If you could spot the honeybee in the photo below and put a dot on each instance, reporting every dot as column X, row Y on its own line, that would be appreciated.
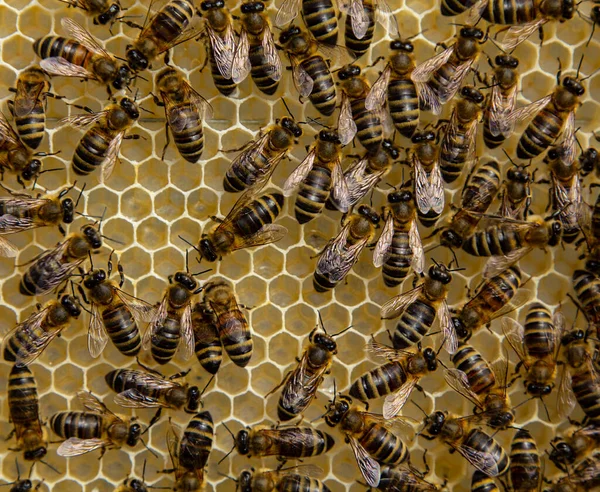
column 95, row 428
column 82, row 56
column 537, row 345
column 446, row 71
column 232, row 325
column 167, row 27
column 15, row 157
column 52, row 267
column 190, row 456
column 260, row 157
column 525, row 463
column 585, row 476
column 403, row 479
column 102, row 11
column 458, row 145
column 477, row 447
column 342, row 252
column 399, row 246
column 100, row 145
column 134, row 484
column 369, row 436
column 320, row 177
column 184, row 111
column 477, row 195
column 22, row 485
column 22, row 212
column 395, row 379
column 218, row 28
column 496, row 297
column 360, row 23
column 29, row 105
column 23, row 407
column 320, row 17
column 248, row 224
column 516, row 193
column 484, row 385
column 418, row 308
column 208, row 347
column 171, row 325
column 483, row 483
column 256, row 53
column 26, row 341
column 574, row 446
column 292, row 479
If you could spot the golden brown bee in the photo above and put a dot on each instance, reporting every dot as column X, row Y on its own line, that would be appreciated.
column 102, row 11
column 81, row 56
column 525, row 463
column 190, row 456
column 256, row 52
column 171, row 326
column 342, row 252
column 29, row 105
column 477, row 447
column 248, row 224
column 95, row 428
column 23, row 407
column 260, row 157
column 360, row 23
column 418, row 308
column 320, row 17
column 483, row 483
column 165, row 29
column 399, row 246
column 100, row 145
column 320, row 177
column 51, row 268
column 208, row 347
column 26, row 341
column 369, row 436
column 403, row 479
column 574, row 446
column 291, row 479
column 395, row 379
column 231, row 323
column 586, row 285
column 516, row 193
column 184, row 111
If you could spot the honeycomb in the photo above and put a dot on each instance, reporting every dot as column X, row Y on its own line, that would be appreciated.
column 149, row 203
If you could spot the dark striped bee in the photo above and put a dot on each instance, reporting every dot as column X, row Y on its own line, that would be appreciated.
column 167, row 27
column 81, row 56
column 184, row 110
column 483, row 483
column 218, row 28
column 231, row 323
column 496, row 297
column 516, row 193
column 574, row 446
column 399, row 246
column 396, row 378
column 483, row 385
column 260, row 157
column 22, row 212
column 102, row 11
column 403, row 479
column 584, row 476
column 256, row 52
column 248, row 224
column 29, row 105
column 190, row 455
column 95, row 428
column 320, row 17
column 446, row 71
column 171, row 325
column 477, row 195
column 342, row 252
column 15, row 157
column 100, row 145
column 360, row 23
column 418, row 308
column 52, row 267
column 23, row 407
column 26, row 341
column 537, row 345
column 319, row 177
column 354, row 118
column 208, row 346
column 525, row 463
column 458, row 145
column 291, row 479
column 369, row 436
column 477, row 447
column 114, row 313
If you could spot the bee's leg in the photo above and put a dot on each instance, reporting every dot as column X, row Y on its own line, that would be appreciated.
column 216, row 219
column 168, row 138
column 10, row 436
column 166, row 470
column 149, row 369
column 167, row 57
column 285, row 378
column 133, row 24
column 180, row 375
column 154, row 419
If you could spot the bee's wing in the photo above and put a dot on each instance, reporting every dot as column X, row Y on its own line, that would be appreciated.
column 396, row 305
column 527, row 111
column 450, row 339
column 584, row 219
column 26, row 97
column 436, row 189
column 248, row 156
column 187, row 332
column 369, row 468
column 459, row 382
column 514, row 334
column 568, row 144
column 386, row 18
column 394, row 402
column 173, row 444
column 97, row 336
column 141, row 310
column 337, row 259
column 112, row 156
column 132, row 398
column 497, row 264
column 287, row 12
column 377, row 95
column 587, row 471
column 381, row 251
column 501, row 108
column 304, row 83
column 92, row 404
column 565, row 402
column 9, row 224
column 457, row 79
column 359, row 182
column 300, row 173
column 8, row 137
column 31, row 327
column 476, row 11
column 271, row 55
column 82, row 120
column 484, row 462
column 301, row 389
column 157, row 320
column 240, row 66
column 80, row 35
column 8, row 249
column 346, row 125
column 270, row 233
column 414, row 240
column 381, row 350
column 423, row 71
column 339, row 188
column 517, row 34
column 521, row 297
column 428, row 98
column 358, row 18
column 75, row 446
column 422, row 186
column 223, row 47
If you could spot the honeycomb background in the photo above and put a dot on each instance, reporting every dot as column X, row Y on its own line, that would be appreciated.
column 149, row 203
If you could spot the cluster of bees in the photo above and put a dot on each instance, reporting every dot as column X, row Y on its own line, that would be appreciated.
column 205, row 318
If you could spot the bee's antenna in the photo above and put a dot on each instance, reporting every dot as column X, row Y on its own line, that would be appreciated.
column 287, row 108
column 419, row 407
column 228, row 476
column 234, row 443
column 343, row 331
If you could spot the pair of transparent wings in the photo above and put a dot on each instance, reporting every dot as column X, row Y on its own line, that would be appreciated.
column 241, row 66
